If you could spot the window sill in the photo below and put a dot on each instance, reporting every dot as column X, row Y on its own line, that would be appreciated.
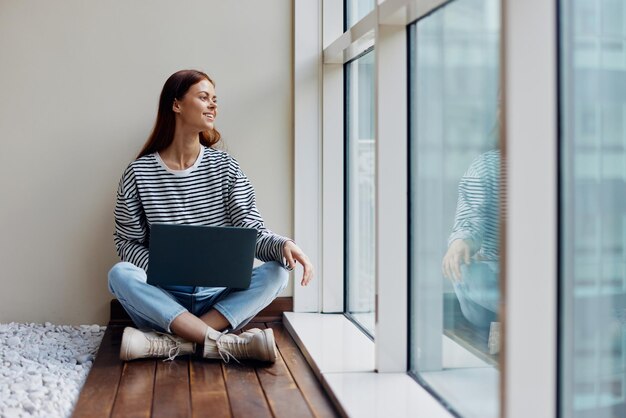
column 342, row 357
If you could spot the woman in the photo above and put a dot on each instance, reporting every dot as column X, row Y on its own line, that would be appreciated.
column 180, row 178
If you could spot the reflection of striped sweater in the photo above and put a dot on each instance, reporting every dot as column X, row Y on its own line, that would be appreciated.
column 477, row 214
column 214, row 191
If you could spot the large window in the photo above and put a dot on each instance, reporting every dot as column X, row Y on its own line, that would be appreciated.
column 516, row 210
column 455, row 199
column 593, row 209
column 360, row 191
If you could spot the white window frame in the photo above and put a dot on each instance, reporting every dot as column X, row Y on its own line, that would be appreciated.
column 529, row 366
column 307, row 150
column 321, row 47
column 392, row 227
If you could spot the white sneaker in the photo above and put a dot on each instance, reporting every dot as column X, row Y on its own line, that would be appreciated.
column 143, row 344
column 253, row 344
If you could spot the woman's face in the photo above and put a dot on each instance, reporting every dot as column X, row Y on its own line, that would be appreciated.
column 198, row 108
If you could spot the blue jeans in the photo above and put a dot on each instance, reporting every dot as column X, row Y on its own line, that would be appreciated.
column 479, row 292
column 155, row 307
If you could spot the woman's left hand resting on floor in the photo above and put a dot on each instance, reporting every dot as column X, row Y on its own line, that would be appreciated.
column 293, row 253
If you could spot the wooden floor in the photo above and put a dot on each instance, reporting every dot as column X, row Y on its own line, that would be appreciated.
column 190, row 387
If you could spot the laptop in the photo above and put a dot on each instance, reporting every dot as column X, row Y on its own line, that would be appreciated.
column 206, row 256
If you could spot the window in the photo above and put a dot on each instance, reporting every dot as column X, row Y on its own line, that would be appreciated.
column 356, row 10
column 460, row 165
column 360, row 191
column 593, row 209
column 455, row 177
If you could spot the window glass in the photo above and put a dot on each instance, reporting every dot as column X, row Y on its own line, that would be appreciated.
column 455, row 181
column 593, row 209
column 360, row 191
column 356, row 10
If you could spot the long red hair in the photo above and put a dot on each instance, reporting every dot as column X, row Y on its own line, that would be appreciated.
column 175, row 87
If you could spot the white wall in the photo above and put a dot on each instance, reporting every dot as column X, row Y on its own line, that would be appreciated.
column 79, row 84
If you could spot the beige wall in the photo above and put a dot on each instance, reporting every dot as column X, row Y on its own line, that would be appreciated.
column 79, row 84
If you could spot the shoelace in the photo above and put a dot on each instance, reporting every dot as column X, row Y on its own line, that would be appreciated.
column 169, row 354
column 239, row 345
column 158, row 346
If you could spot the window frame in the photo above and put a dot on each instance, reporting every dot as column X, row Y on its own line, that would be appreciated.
column 530, row 118
column 347, row 77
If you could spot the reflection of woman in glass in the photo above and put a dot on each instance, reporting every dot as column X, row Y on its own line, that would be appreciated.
column 472, row 259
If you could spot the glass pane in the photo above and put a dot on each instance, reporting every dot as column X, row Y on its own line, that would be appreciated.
column 593, row 209
column 360, row 189
column 455, row 205
column 356, row 10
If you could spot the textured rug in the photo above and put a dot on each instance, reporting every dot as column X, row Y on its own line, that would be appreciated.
column 44, row 366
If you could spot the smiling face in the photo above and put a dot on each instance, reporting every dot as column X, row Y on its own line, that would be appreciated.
column 197, row 109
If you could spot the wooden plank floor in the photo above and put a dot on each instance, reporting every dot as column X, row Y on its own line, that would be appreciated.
column 191, row 387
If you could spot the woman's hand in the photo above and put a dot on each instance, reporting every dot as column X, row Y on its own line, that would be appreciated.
column 293, row 253
column 459, row 251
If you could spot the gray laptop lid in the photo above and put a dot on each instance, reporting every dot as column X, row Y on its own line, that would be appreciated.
column 207, row 256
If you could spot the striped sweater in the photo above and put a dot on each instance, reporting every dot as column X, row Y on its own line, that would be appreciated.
column 214, row 191
column 478, row 208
